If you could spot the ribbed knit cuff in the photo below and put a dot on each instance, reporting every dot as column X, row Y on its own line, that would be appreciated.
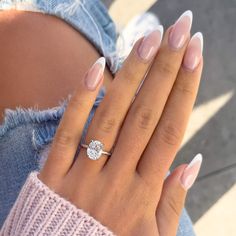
column 38, row 210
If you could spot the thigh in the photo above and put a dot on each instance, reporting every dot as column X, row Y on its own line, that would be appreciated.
column 42, row 59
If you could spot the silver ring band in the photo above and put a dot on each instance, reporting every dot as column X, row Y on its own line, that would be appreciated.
column 103, row 152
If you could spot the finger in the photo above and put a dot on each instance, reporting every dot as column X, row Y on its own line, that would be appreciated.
column 71, row 126
column 112, row 110
column 170, row 130
column 150, row 101
column 173, row 196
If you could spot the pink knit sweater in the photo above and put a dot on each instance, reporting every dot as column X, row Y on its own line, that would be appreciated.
column 40, row 211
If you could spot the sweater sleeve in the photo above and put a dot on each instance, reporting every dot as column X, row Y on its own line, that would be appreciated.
column 38, row 210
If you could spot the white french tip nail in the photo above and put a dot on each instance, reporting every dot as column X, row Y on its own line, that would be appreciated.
column 191, row 172
column 200, row 37
column 197, row 158
column 160, row 28
column 188, row 13
column 101, row 61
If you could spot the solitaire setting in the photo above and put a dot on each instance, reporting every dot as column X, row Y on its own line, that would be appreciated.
column 95, row 149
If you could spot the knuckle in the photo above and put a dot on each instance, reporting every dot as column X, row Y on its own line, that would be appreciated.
column 107, row 123
column 63, row 138
column 165, row 68
column 170, row 134
column 77, row 102
column 144, row 117
column 185, row 88
column 174, row 205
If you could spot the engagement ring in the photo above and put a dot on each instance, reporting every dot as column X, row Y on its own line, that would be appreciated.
column 95, row 149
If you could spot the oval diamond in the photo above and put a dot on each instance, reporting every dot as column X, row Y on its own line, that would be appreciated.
column 94, row 150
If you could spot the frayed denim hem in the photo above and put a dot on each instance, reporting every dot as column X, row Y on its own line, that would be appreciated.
column 48, row 119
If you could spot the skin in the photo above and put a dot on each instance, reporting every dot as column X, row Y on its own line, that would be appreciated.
column 133, row 192
column 41, row 54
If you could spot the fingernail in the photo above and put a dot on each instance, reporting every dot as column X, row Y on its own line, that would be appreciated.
column 180, row 30
column 194, row 52
column 150, row 44
column 95, row 74
column 191, row 172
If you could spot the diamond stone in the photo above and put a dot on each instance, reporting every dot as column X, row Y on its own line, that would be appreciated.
column 94, row 150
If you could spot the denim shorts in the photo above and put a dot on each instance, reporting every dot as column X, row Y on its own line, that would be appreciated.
column 27, row 133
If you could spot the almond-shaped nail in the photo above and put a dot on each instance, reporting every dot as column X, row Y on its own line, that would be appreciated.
column 181, row 30
column 95, row 74
column 191, row 172
column 150, row 44
column 194, row 51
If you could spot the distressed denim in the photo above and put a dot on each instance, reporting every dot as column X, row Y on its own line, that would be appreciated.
column 27, row 133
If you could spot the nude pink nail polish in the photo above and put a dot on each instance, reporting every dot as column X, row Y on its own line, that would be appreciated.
column 150, row 44
column 194, row 52
column 95, row 74
column 191, row 172
column 181, row 30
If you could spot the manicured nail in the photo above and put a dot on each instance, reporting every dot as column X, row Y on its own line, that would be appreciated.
column 150, row 44
column 180, row 30
column 191, row 172
column 95, row 74
column 194, row 52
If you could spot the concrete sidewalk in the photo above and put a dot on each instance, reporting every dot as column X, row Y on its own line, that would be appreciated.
column 212, row 130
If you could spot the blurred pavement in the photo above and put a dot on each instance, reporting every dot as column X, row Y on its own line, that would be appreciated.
column 211, row 203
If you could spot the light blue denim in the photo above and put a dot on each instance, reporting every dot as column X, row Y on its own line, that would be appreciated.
column 26, row 132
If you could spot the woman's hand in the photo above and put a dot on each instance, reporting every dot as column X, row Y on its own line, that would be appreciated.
column 128, row 191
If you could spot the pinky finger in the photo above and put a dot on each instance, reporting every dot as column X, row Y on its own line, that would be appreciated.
column 173, row 196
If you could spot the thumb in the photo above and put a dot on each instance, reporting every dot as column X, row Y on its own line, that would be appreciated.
column 173, row 196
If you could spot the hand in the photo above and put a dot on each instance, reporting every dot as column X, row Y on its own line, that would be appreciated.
column 128, row 191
